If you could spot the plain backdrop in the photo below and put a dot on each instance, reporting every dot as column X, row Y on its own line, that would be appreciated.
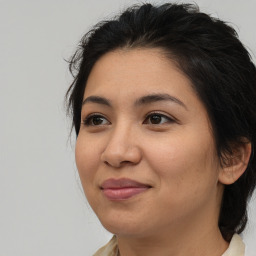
column 43, row 211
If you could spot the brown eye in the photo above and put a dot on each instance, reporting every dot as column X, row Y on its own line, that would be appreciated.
column 95, row 120
column 156, row 118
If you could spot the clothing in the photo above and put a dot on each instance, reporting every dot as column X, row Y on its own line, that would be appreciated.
column 236, row 248
column 110, row 249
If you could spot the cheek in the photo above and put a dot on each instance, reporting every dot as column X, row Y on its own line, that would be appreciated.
column 186, row 163
column 187, row 176
column 87, row 160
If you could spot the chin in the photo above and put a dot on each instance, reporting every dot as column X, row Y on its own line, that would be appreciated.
column 123, row 226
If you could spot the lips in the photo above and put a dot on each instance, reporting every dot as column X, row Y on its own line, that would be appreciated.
column 122, row 189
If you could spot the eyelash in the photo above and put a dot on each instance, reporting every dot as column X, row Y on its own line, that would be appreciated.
column 88, row 120
column 168, row 118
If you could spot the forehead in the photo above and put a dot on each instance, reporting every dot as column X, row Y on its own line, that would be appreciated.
column 132, row 73
column 134, row 67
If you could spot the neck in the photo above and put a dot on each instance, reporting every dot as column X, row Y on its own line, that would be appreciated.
column 193, row 238
column 211, row 244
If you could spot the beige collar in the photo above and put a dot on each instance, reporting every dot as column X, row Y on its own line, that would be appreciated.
column 236, row 248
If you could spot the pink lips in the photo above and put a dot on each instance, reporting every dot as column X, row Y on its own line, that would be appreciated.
column 122, row 189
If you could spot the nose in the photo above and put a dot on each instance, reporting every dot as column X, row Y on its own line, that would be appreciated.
column 122, row 148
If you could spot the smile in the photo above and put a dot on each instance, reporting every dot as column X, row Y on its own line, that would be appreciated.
column 122, row 189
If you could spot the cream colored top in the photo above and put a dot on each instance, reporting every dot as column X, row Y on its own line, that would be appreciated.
column 236, row 248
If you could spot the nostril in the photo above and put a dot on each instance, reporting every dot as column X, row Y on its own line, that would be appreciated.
column 117, row 156
column 119, row 164
column 107, row 163
column 112, row 164
column 127, row 163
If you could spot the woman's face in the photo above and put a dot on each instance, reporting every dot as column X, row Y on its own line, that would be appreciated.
column 145, row 151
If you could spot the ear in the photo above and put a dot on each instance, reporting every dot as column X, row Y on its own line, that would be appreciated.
column 236, row 163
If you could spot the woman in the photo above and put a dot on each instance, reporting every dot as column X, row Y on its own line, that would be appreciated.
column 163, row 104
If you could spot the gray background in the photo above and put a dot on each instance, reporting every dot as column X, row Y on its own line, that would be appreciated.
column 43, row 211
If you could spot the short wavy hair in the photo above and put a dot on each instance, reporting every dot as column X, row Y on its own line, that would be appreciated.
column 209, row 53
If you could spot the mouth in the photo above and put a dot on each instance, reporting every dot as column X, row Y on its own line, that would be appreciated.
column 122, row 189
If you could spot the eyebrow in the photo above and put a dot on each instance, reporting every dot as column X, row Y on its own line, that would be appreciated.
column 144, row 100
column 98, row 100
column 158, row 97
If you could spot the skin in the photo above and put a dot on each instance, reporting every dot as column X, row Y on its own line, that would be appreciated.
column 176, row 156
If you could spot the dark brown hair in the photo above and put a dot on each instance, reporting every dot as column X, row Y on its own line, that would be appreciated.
column 210, row 54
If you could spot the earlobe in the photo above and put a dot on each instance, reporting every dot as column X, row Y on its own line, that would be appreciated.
column 235, row 164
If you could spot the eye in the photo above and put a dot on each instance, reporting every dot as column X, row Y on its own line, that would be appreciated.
column 157, row 118
column 95, row 120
